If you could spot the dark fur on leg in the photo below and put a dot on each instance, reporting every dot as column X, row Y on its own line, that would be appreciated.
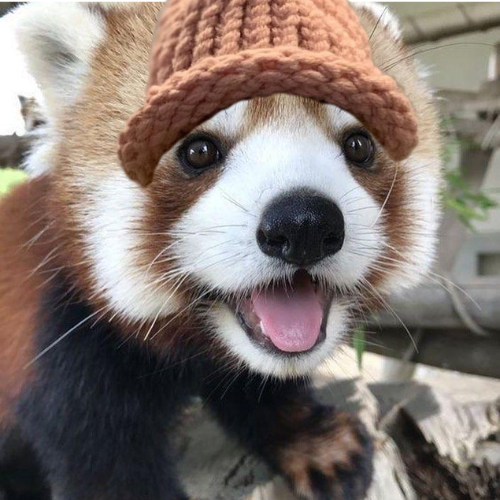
column 95, row 414
column 20, row 473
column 324, row 454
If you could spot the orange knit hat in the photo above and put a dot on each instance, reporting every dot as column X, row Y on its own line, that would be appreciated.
column 209, row 54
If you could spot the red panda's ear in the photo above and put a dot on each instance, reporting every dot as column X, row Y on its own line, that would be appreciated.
column 57, row 41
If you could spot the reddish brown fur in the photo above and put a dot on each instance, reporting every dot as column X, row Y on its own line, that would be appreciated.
column 23, row 252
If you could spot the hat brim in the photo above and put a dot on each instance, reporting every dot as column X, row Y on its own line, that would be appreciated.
column 190, row 97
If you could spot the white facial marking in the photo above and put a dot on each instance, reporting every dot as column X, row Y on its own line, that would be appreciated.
column 114, row 223
column 222, row 250
column 229, row 121
column 270, row 162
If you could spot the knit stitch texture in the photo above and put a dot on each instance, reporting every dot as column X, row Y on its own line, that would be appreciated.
column 210, row 54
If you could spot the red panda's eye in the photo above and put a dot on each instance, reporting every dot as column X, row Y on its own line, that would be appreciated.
column 200, row 153
column 359, row 149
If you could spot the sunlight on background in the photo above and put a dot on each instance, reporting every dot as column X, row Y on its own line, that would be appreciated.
column 15, row 81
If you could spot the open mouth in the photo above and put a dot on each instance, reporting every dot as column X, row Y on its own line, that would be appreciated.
column 286, row 318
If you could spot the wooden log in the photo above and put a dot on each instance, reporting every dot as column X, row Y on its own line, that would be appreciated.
column 442, row 442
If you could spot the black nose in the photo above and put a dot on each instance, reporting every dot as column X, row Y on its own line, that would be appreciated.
column 301, row 228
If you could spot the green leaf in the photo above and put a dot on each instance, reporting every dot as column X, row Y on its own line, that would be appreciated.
column 359, row 344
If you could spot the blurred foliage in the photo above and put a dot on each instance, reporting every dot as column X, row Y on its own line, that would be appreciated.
column 468, row 205
column 9, row 177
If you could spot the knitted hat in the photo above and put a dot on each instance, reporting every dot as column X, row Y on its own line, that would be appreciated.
column 209, row 54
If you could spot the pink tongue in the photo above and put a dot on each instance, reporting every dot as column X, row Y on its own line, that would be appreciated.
column 290, row 317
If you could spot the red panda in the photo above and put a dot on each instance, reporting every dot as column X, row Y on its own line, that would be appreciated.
column 264, row 235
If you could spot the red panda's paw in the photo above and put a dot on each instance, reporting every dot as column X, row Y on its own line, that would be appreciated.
column 328, row 457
